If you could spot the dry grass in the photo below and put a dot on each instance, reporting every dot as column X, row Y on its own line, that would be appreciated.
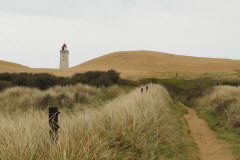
column 68, row 97
column 133, row 126
column 224, row 102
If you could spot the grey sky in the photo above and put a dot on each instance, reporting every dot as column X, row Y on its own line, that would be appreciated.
column 32, row 32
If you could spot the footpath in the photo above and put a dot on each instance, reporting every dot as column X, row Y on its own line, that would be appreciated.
column 210, row 147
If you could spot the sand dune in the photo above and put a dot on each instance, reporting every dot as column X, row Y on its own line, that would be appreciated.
column 137, row 64
column 147, row 63
column 158, row 62
column 12, row 67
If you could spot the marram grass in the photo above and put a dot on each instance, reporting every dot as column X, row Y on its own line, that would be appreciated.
column 134, row 126
column 79, row 96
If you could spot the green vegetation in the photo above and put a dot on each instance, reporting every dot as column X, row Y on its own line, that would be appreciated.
column 187, row 91
column 232, row 135
column 221, row 109
column 167, row 81
column 218, row 102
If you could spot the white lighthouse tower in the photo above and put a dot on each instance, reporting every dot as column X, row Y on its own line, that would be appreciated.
column 64, row 57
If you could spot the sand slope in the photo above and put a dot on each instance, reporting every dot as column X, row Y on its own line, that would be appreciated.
column 137, row 64
column 12, row 67
column 160, row 62
column 147, row 63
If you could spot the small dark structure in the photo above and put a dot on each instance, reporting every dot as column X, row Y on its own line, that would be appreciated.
column 141, row 90
column 53, row 123
column 154, row 81
column 146, row 88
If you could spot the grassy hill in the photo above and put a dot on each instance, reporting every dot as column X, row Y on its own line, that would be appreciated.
column 12, row 67
column 141, row 64
column 138, row 64
column 150, row 61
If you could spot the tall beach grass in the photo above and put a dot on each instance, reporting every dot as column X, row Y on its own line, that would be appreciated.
column 68, row 97
column 223, row 102
column 146, row 126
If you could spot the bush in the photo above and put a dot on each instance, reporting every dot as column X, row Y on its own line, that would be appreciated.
column 97, row 78
column 126, row 82
column 231, row 83
column 4, row 84
column 7, row 76
column 41, row 81
column 44, row 81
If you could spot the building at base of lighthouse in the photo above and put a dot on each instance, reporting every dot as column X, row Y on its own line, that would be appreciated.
column 64, row 54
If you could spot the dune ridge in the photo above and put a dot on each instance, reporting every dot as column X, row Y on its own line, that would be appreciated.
column 138, row 64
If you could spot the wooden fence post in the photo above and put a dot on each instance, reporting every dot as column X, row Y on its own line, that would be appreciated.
column 152, row 80
column 142, row 90
column 53, row 123
column 146, row 88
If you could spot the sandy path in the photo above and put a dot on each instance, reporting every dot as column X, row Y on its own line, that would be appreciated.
column 210, row 147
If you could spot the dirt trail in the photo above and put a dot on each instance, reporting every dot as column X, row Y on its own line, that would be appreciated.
column 210, row 147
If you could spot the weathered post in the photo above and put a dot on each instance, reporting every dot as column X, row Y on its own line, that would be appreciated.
column 154, row 81
column 146, row 88
column 237, row 82
column 53, row 123
column 142, row 90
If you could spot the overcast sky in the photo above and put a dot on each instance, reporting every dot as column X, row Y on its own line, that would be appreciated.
column 32, row 31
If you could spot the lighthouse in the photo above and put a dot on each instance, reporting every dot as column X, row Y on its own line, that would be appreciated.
column 64, row 57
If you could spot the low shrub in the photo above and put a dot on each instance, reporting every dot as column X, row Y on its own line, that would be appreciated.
column 97, row 78
column 4, row 85
column 44, row 81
